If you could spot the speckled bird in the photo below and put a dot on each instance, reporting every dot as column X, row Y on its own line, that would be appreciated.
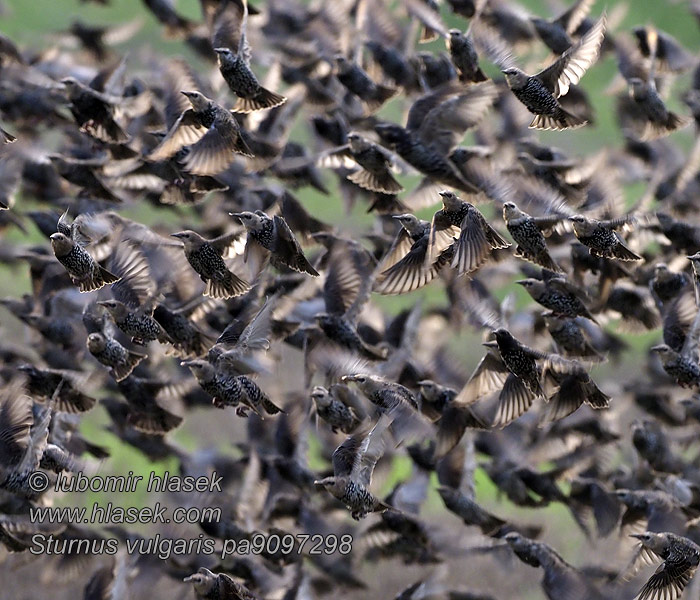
column 601, row 238
column 539, row 92
column 476, row 238
column 217, row 586
column 681, row 558
column 558, row 295
column 112, row 354
column 83, row 269
column 353, row 464
column 138, row 323
column 527, row 233
column 272, row 237
column 205, row 257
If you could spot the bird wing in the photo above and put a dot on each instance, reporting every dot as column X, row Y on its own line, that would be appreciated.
column 257, row 334
column 214, row 152
column 444, row 125
column 669, row 580
column 229, row 244
column 442, row 236
column 490, row 375
column 572, row 18
column 399, row 248
column 16, row 420
column 345, row 456
column 410, row 273
column 570, row 67
column 136, row 283
column 513, row 401
column 187, row 130
column 371, row 450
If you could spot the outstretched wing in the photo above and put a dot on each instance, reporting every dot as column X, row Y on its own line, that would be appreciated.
column 571, row 66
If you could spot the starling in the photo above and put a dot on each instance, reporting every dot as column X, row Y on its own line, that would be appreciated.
column 353, row 463
column 138, row 323
column 539, row 92
column 464, row 56
column 59, row 385
column 558, row 295
column 229, row 389
column 188, row 339
column 404, row 268
column 520, row 360
column 387, row 395
column 217, row 586
column 236, row 71
column 332, row 406
column 561, row 580
column 601, row 238
column 668, row 55
column 573, row 389
column 527, row 233
column 555, row 33
column 84, row 270
column 375, row 165
column 94, row 112
column 682, row 369
column 112, row 354
column 570, row 338
column 273, row 238
column 476, row 237
column 209, row 132
column 205, row 257
column 346, row 291
column 356, row 80
column 164, row 11
column 6, row 138
column 681, row 557
column 644, row 114
column 666, row 285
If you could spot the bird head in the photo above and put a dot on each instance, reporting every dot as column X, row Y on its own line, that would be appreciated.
column 187, row 237
column 529, row 283
column 515, row 78
column 96, row 342
column 114, row 307
column 250, row 220
column 203, row 581
column 510, row 211
column 198, row 367
column 224, row 55
column 408, row 221
column 61, row 243
column 198, row 100
column 320, row 396
column 449, row 199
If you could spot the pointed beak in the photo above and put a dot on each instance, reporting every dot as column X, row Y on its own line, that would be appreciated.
column 348, row 378
column 178, row 235
column 55, row 236
column 102, row 303
column 185, row 363
column 521, row 281
column 491, row 344
column 444, row 193
column 220, row 50
column 236, row 215
column 188, row 578
column 638, row 536
column 656, row 348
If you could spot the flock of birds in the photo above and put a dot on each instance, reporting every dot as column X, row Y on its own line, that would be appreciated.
column 244, row 304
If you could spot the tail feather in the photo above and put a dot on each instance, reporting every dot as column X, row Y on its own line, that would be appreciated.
column 262, row 100
column 230, row 287
column 376, row 182
column 270, row 407
column 622, row 252
column 559, row 121
column 123, row 371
